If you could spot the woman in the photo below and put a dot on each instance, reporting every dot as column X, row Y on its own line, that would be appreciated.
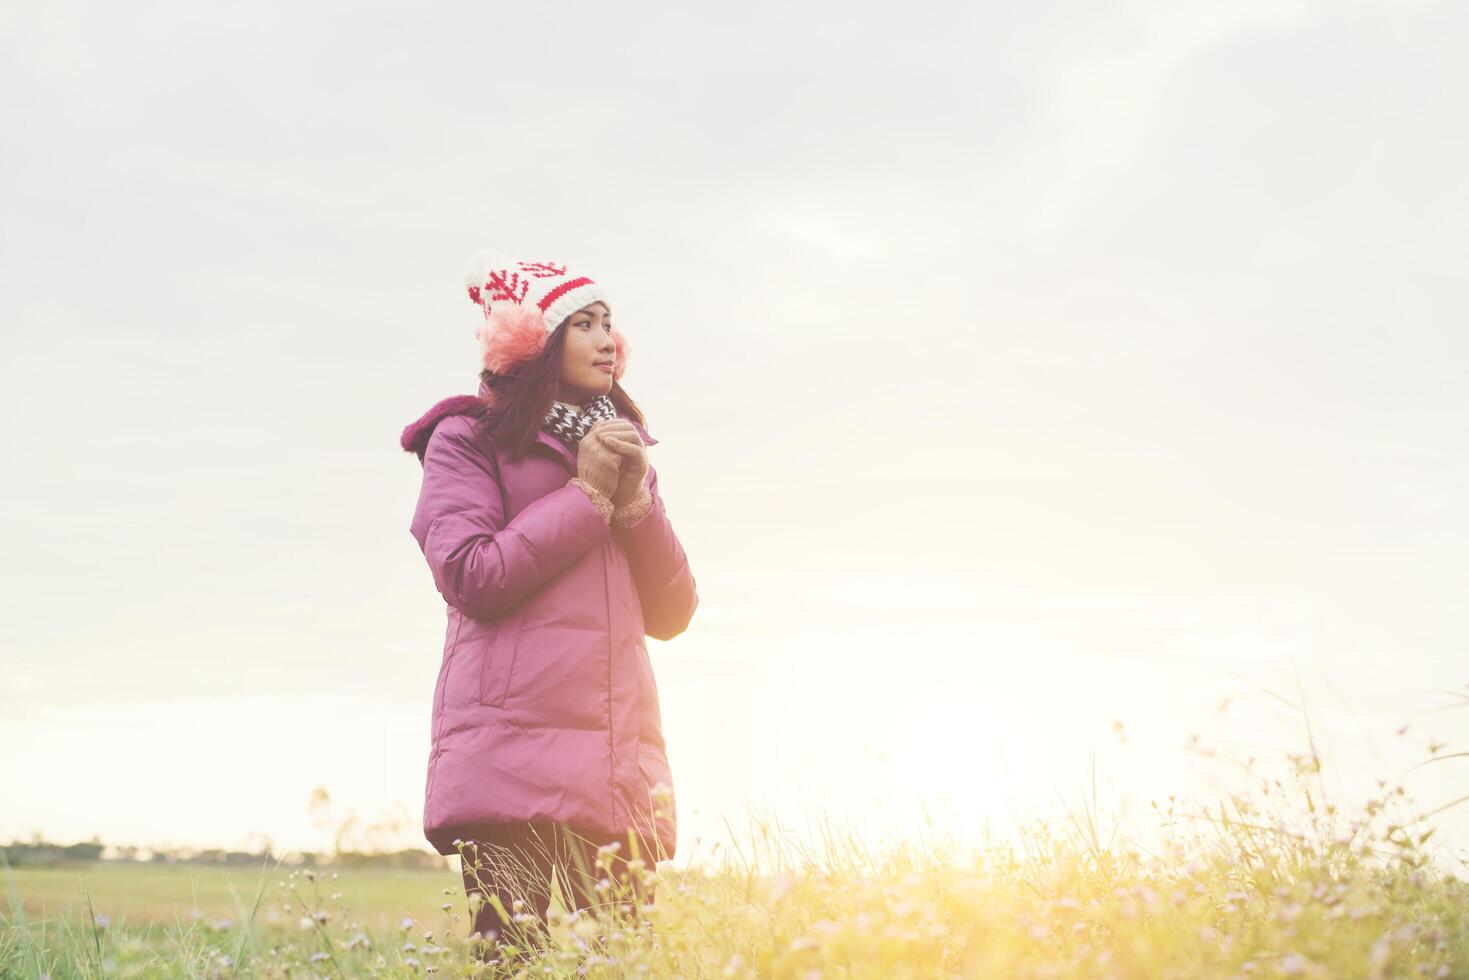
column 542, row 524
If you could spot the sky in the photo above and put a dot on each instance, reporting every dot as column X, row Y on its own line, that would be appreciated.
column 1043, row 392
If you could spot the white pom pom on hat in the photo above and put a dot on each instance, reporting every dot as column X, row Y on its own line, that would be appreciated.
column 524, row 302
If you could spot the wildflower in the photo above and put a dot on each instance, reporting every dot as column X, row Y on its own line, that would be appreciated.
column 306, row 922
column 1289, row 913
column 102, row 921
column 407, row 922
column 1293, row 963
column 319, row 957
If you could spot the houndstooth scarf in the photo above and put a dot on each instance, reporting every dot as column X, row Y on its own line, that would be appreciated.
column 570, row 427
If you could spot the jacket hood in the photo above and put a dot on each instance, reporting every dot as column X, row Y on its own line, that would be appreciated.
column 416, row 434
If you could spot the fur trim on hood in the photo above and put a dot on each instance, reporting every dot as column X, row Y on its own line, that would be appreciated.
column 415, row 437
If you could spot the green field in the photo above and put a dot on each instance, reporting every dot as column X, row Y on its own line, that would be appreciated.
column 170, row 894
column 1295, row 890
column 1282, row 884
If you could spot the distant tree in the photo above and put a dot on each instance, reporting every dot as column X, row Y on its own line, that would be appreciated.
column 90, row 851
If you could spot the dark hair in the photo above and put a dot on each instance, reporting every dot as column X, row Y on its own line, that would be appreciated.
column 519, row 400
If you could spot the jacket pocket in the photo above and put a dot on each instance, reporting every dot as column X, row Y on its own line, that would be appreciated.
column 497, row 663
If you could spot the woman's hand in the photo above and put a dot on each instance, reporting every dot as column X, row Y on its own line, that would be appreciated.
column 622, row 438
column 597, row 463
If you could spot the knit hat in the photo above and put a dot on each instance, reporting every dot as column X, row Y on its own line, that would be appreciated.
column 523, row 304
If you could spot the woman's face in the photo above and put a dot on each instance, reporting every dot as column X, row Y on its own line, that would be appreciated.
column 586, row 360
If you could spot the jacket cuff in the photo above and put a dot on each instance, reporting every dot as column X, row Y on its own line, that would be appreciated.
column 635, row 510
column 604, row 503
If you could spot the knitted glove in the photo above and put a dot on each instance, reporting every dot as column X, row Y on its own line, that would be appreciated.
column 634, row 511
column 597, row 470
column 631, row 499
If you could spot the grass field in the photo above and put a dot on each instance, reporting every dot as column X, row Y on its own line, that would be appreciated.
column 1277, row 887
column 143, row 894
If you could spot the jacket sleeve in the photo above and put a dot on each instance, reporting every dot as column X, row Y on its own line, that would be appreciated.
column 666, row 587
column 481, row 563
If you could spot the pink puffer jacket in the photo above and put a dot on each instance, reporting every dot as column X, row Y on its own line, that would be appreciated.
column 546, row 706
